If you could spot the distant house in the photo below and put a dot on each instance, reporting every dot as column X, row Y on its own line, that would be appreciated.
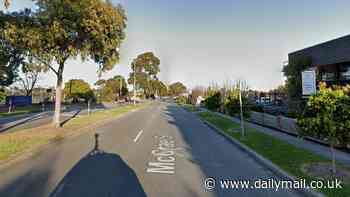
column 331, row 60
column 185, row 94
column 200, row 99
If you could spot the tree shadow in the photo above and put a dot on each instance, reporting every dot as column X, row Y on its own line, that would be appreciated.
column 70, row 118
column 99, row 174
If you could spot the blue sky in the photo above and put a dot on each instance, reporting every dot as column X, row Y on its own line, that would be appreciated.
column 200, row 42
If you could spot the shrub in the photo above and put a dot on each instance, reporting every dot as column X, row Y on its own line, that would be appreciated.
column 257, row 108
column 213, row 102
column 327, row 116
column 292, row 72
column 232, row 105
column 292, row 114
column 181, row 100
column 2, row 95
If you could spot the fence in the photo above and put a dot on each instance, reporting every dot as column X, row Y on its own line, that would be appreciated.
column 279, row 122
column 282, row 123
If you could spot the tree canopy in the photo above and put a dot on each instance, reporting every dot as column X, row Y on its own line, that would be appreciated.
column 157, row 87
column 63, row 29
column 145, row 69
column 177, row 88
column 2, row 94
column 29, row 76
column 293, row 71
column 11, row 55
column 76, row 89
column 113, row 88
column 59, row 30
column 148, row 63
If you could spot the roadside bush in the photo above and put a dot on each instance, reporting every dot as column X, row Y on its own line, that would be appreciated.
column 2, row 95
column 257, row 108
column 181, row 100
column 232, row 105
column 292, row 114
column 213, row 102
column 327, row 116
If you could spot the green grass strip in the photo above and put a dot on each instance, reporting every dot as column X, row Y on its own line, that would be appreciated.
column 287, row 156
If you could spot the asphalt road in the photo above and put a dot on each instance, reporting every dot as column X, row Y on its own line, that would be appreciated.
column 161, row 150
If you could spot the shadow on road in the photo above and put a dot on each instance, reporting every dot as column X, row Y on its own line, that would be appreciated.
column 70, row 118
column 99, row 174
column 29, row 182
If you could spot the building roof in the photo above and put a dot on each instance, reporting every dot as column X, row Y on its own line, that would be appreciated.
column 330, row 52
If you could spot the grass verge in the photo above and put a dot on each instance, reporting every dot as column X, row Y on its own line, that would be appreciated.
column 288, row 157
column 16, row 143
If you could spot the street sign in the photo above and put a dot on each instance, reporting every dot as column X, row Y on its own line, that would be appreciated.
column 309, row 82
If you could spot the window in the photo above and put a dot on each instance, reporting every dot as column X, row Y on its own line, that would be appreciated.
column 328, row 76
column 345, row 73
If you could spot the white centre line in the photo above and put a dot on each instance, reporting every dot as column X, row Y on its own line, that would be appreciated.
column 138, row 136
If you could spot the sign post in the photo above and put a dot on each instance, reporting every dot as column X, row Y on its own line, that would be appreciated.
column 241, row 108
column 308, row 82
column 10, row 105
column 89, row 103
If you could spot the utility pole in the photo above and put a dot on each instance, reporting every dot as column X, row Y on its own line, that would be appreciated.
column 120, row 88
column 89, row 106
column 241, row 107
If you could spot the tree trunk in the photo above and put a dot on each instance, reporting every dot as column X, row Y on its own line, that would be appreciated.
column 56, row 118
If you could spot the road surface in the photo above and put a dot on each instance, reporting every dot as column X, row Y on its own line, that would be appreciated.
column 161, row 150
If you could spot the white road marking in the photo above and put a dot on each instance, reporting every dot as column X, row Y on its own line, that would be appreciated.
column 138, row 136
column 164, row 156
